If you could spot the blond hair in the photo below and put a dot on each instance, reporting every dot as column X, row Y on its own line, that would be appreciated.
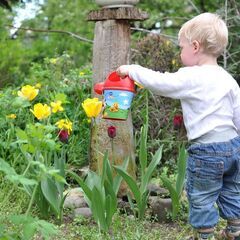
column 209, row 30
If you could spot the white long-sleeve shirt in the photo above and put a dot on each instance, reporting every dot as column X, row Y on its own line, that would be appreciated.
column 209, row 95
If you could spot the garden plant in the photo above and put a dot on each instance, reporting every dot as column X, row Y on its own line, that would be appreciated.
column 47, row 112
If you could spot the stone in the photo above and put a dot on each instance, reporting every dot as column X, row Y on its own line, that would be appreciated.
column 124, row 206
column 75, row 199
column 155, row 190
column 160, row 207
column 83, row 172
column 83, row 211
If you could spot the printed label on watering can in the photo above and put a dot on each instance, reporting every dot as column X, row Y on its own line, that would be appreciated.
column 117, row 104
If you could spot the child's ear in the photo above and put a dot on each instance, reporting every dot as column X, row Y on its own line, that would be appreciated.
column 196, row 46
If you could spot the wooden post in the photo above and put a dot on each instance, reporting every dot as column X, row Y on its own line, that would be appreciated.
column 111, row 49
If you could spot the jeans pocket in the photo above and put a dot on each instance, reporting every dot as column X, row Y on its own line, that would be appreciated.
column 204, row 179
column 207, row 168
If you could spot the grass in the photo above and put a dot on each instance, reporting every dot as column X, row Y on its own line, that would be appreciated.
column 123, row 228
column 12, row 200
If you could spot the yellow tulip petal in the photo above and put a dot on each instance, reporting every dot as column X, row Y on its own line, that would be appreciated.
column 41, row 111
column 28, row 92
column 92, row 107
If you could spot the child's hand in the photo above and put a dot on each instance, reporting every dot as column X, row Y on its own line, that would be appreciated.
column 123, row 70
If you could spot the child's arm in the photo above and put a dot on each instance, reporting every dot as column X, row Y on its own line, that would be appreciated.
column 174, row 85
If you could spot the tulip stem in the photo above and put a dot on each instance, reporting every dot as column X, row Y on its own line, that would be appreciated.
column 31, row 200
column 113, row 162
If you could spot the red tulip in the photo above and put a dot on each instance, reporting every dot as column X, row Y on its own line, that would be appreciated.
column 177, row 121
column 112, row 131
column 63, row 135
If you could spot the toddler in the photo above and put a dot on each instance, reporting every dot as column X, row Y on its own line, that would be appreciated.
column 210, row 101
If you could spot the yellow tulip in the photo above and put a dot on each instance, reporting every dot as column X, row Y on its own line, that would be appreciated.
column 81, row 73
column 53, row 60
column 38, row 85
column 28, row 92
column 92, row 107
column 56, row 106
column 41, row 111
column 64, row 124
column 12, row 116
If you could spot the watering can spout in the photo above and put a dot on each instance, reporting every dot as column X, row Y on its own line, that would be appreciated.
column 98, row 88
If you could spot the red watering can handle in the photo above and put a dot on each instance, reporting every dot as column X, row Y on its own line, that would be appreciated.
column 114, row 77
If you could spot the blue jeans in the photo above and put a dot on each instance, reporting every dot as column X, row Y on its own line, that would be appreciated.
column 213, row 177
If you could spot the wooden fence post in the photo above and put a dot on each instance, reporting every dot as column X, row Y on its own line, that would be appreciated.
column 111, row 49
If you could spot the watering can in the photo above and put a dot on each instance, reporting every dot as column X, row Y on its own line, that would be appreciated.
column 118, row 94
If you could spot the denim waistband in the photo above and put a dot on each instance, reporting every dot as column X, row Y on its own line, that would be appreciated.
column 214, row 136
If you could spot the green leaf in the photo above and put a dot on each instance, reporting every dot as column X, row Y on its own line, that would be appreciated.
column 51, row 144
column 22, row 180
column 87, row 191
column 143, row 148
column 51, row 193
column 173, row 195
column 182, row 161
column 131, row 203
column 55, row 173
column 21, row 219
column 109, row 171
column 28, row 231
column 111, row 208
column 46, row 229
column 118, row 179
column 59, row 163
column 13, row 176
column 143, row 206
column 104, row 168
column 94, row 180
column 130, row 182
column 21, row 134
column 146, row 177
column 6, row 168
column 61, row 97
column 99, row 208
column 20, row 102
column 42, row 203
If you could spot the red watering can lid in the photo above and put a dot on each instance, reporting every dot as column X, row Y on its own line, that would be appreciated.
column 115, row 82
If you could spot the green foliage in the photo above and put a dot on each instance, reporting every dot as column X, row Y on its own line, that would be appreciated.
column 123, row 227
column 12, row 176
column 64, row 16
column 45, row 166
column 100, row 192
column 160, row 54
column 32, row 157
column 44, row 184
column 157, row 53
column 172, row 14
column 59, row 81
column 176, row 190
column 140, row 193
column 25, row 228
